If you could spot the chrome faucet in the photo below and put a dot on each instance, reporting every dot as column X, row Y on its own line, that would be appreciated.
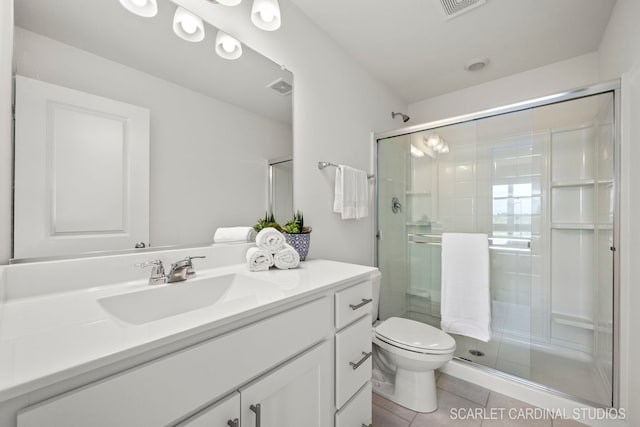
column 180, row 270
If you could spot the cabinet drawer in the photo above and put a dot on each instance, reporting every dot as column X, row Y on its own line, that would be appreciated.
column 353, row 303
column 164, row 390
column 218, row 414
column 357, row 413
column 353, row 359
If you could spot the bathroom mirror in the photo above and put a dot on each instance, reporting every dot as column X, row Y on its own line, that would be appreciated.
column 281, row 188
column 211, row 127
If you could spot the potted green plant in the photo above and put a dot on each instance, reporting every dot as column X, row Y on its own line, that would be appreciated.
column 298, row 235
column 268, row 221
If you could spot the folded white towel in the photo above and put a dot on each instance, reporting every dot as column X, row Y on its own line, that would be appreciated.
column 258, row 259
column 234, row 234
column 466, row 301
column 286, row 258
column 270, row 239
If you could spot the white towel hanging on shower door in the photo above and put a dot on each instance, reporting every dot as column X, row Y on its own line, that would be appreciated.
column 466, row 300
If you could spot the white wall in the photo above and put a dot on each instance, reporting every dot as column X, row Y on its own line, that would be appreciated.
column 208, row 158
column 571, row 73
column 6, row 150
column 336, row 107
column 619, row 54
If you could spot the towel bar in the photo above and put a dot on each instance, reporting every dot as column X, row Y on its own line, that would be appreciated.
column 322, row 165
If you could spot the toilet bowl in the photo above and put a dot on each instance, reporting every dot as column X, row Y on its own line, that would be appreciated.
column 406, row 354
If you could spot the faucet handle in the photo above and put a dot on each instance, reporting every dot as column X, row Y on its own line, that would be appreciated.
column 156, row 262
column 157, row 271
column 190, row 271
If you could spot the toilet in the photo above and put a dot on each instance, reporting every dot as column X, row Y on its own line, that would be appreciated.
column 405, row 355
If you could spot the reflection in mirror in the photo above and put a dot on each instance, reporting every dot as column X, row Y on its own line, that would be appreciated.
column 281, row 189
column 128, row 134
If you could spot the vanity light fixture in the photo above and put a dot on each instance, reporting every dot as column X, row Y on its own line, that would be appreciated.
column 265, row 14
column 188, row 26
column 144, row 8
column 227, row 47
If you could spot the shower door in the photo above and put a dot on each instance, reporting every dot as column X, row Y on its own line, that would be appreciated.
column 540, row 183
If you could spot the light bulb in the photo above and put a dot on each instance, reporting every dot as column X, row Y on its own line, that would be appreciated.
column 267, row 14
column 189, row 26
column 416, row 152
column 140, row 3
column 228, row 45
column 433, row 140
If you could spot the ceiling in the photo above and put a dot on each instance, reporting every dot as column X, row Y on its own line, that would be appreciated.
column 412, row 48
column 107, row 29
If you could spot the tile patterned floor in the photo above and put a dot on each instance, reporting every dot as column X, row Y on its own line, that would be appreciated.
column 458, row 397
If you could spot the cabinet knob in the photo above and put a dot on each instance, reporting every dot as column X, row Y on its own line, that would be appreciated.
column 256, row 409
column 235, row 423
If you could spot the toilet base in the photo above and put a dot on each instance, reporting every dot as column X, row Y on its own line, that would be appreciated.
column 413, row 390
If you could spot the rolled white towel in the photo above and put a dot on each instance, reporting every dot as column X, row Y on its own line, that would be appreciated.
column 270, row 240
column 286, row 258
column 234, row 234
column 258, row 259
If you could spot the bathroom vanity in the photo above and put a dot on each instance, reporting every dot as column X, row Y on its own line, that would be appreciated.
column 228, row 348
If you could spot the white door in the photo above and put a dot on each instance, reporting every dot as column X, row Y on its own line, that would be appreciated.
column 295, row 395
column 81, row 172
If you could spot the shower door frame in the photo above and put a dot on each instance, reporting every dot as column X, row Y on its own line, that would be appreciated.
column 614, row 87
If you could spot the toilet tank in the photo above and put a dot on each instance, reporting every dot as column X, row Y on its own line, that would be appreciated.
column 375, row 294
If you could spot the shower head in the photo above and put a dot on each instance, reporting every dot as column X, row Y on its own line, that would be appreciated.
column 405, row 118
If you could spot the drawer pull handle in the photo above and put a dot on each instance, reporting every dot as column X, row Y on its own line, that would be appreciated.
column 362, row 304
column 256, row 409
column 235, row 423
column 357, row 364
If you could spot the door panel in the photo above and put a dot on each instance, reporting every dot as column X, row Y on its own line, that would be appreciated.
column 81, row 172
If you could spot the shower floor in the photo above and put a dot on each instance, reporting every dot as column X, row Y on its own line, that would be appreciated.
column 568, row 375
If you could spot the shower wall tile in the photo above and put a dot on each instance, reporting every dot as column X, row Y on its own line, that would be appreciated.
column 464, row 172
column 445, row 172
column 463, row 207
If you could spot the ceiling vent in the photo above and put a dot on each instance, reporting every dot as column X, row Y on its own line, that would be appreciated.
column 453, row 8
column 281, row 86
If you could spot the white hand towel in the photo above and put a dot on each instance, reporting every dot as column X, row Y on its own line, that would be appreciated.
column 234, row 234
column 258, row 259
column 270, row 240
column 466, row 300
column 286, row 258
column 351, row 193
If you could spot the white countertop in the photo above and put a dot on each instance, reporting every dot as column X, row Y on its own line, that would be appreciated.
column 49, row 338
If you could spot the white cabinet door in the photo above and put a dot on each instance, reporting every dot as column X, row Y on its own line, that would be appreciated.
column 81, row 172
column 221, row 414
column 295, row 395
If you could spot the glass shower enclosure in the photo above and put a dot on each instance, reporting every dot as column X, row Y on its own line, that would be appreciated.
column 540, row 181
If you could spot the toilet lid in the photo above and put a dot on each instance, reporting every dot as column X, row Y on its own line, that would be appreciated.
column 415, row 335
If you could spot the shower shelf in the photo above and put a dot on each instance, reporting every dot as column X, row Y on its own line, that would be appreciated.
column 580, row 226
column 575, row 321
column 580, row 183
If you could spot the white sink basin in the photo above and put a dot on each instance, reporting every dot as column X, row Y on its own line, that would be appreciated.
column 161, row 301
